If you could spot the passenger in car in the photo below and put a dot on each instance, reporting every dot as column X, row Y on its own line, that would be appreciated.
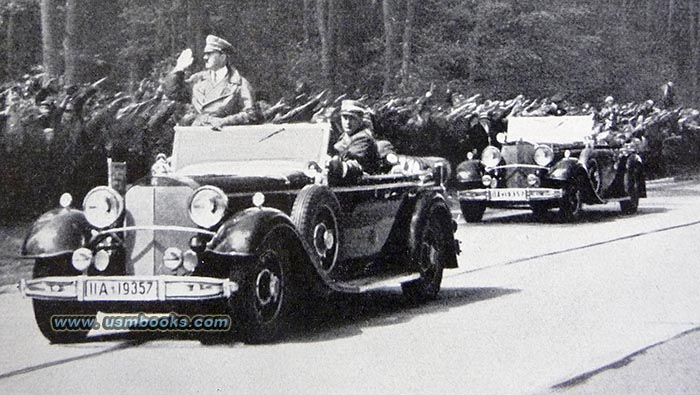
column 356, row 148
column 220, row 95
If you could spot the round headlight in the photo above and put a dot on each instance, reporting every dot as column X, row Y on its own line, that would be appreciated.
column 172, row 258
column 81, row 259
column 491, row 156
column 258, row 199
column 501, row 137
column 543, row 155
column 208, row 206
column 65, row 200
column 533, row 180
column 190, row 260
column 102, row 207
column 101, row 260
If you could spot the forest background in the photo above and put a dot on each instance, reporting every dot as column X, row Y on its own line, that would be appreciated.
column 586, row 49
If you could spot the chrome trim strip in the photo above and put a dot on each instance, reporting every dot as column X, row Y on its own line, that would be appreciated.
column 387, row 185
column 49, row 255
column 80, row 290
column 389, row 282
column 156, row 227
column 537, row 167
column 361, row 188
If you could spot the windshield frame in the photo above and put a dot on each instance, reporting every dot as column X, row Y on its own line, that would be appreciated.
column 298, row 142
column 561, row 130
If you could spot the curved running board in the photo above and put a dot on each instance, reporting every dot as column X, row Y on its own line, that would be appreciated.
column 370, row 283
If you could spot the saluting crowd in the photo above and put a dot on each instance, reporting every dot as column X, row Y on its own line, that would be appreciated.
column 56, row 138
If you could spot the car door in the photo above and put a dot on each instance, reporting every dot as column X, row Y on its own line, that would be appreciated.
column 368, row 214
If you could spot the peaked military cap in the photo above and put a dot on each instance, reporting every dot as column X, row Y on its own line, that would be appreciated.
column 218, row 44
column 352, row 107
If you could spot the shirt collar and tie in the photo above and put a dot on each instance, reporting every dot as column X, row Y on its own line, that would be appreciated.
column 219, row 75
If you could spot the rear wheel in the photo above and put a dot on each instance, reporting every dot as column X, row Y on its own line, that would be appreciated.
column 263, row 304
column 472, row 212
column 429, row 255
column 571, row 204
column 44, row 310
column 633, row 187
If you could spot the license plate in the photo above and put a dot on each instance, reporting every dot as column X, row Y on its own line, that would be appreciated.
column 508, row 194
column 120, row 290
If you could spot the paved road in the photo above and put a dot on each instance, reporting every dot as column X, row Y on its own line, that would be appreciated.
column 534, row 308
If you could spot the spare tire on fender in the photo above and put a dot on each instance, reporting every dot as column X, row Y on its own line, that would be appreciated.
column 315, row 215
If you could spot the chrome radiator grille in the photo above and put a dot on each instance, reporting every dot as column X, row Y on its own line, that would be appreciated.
column 516, row 178
column 146, row 206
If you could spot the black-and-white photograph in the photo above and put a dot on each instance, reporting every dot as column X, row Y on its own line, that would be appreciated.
column 350, row 197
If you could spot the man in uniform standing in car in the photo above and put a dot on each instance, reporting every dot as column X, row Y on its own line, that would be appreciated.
column 220, row 95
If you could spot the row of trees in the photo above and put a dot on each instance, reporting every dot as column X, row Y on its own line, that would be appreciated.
column 585, row 48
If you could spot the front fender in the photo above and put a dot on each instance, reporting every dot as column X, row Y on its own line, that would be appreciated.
column 634, row 163
column 470, row 171
column 57, row 232
column 571, row 169
column 565, row 170
column 240, row 236
column 243, row 232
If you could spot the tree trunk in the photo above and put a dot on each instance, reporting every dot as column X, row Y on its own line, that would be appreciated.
column 197, row 22
column 72, row 43
column 407, row 43
column 307, row 14
column 694, row 50
column 10, row 44
column 50, row 39
column 332, row 33
column 650, row 18
column 671, row 17
column 388, row 48
column 322, row 18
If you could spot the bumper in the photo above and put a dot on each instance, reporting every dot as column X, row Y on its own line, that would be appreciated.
column 515, row 195
column 127, row 288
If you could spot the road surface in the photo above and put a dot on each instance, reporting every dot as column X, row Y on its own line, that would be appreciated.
column 535, row 308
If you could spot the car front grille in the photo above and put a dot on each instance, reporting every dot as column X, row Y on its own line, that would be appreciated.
column 146, row 206
column 516, row 177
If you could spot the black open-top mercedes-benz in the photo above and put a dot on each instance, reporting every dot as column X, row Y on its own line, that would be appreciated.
column 552, row 162
column 244, row 221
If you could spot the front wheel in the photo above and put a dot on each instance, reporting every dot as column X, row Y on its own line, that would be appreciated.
column 472, row 212
column 263, row 305
column 315, row 215
column 429, row 256
column 633, row 189
column 47, row 310
column 539, row 210
column 571, row 205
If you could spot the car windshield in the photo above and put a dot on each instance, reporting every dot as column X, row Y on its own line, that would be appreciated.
column 553, row 130
column 299, row 142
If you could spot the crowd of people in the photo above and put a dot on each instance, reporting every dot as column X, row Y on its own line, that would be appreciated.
column 56, row 138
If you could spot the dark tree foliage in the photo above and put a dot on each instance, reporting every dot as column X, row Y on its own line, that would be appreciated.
column 585, row 48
